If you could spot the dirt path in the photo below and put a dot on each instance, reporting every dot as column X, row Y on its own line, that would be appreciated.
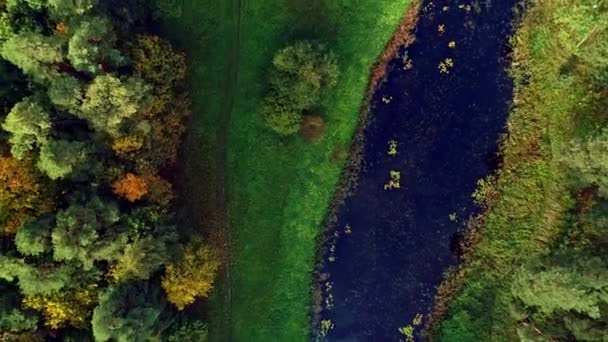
column 228, row 94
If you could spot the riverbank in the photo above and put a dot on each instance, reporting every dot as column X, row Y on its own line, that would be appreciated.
column 529, row 201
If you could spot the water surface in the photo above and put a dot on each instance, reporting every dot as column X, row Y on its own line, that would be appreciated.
column 446, row 122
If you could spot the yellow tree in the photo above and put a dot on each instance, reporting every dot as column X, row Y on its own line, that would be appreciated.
column 22, row 195
column 192, row 275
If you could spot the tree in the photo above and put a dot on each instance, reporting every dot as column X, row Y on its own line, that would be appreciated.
column 280, row 116
column 66, row 92
column 588, row 162
column 22, row 194
column 65, row 8
column 301, row 73
column 37, row 55
column 77, row 230
column 12, row 318
column 129, row 313
column 155, row 60
column 192, row 275
column 139, row 259
column 92, row 47
column 71, row 306
column 566, row 297
column 195, row 331
column 29, row 125
column 61, row 158
column 109, row 100
column 34, row 238
column 130, row 187
column 40, row 279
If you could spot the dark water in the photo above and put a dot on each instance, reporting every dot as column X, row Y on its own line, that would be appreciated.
column 447, row 127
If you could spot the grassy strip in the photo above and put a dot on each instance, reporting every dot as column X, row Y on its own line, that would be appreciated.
column 529, row 202
column 208, row 31
column 281, row 188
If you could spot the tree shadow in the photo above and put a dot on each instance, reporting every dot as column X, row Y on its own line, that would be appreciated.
column 313, row 21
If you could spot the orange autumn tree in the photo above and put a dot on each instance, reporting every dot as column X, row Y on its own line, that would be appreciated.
column 192, row 275
column 22, row 195
column 130, row 187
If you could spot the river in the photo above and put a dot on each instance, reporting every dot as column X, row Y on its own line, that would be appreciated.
column 434, row 131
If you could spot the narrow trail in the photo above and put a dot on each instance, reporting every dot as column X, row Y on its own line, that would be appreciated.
column 229, row 91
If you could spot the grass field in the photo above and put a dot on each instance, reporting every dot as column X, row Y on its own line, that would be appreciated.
column 279, row 188
column 533, row 199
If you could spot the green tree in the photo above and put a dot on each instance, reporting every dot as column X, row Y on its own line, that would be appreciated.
column 12, row 318
column 566, row 297
column 280, row 116
column 34, row 238
column 109, row 100
column 301, row 73
column 194, row 331
column 129, row 313
column 33, row 280
column 92, row 47
column 588, row 162
column 67, row 93
column 37, row 55
column 77, row 230
column 61, row 158
column 29, row 125
column 71, row 7
column 139, row 259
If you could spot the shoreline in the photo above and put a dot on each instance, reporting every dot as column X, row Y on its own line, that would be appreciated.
column 454, row 276
column 403, row 37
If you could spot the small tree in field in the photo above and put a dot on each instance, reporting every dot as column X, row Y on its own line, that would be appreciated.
column 301, row 73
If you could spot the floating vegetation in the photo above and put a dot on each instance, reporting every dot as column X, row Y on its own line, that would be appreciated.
column 326, row 326
column 441, row 29
column 428, row 7
column 392, row 148
column 387, row 99
column 417, row 320
column 453, row 217
column 407, row 61
column 465, row 7
column 329, row 302
column 446, row 65
column 452, row 44
column 394, row 182
column 347, row 229
column 408, row 330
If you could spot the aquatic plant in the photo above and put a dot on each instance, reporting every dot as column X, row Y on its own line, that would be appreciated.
column 392, row 148
column 326, row 326
column 394, row 182
column 407, row 61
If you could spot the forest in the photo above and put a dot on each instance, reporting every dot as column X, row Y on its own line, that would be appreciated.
column 94, row 106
